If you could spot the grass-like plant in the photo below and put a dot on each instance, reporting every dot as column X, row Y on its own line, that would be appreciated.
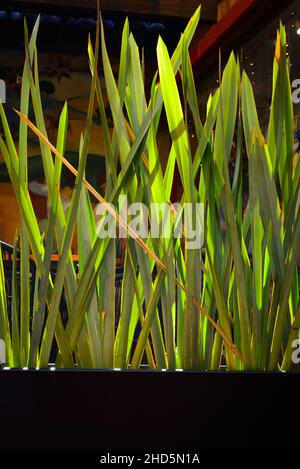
column 234, row 301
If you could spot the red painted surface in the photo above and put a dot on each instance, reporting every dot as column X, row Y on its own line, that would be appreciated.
column 218, row 32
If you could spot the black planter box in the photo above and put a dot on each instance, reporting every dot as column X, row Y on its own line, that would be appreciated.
column 98, row 409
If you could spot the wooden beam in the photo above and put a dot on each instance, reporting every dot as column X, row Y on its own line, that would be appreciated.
column 217, row 33
column 171, row 8
column 242, row 19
